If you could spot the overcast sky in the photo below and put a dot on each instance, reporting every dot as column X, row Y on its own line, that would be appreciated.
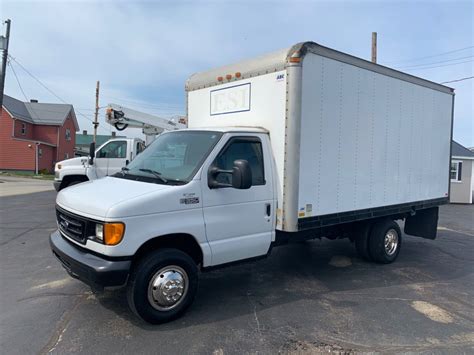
column 143, row 51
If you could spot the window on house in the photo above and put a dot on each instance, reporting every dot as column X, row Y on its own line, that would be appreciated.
column 68, row 134
column 23, row 129
column 66, row 155
column 40, row 152
column 456, row 170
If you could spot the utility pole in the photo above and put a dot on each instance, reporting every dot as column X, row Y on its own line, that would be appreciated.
column 374, row 47
column 4, row 46
column 96, row 123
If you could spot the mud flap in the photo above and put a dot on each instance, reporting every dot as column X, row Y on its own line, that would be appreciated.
column 423, row 224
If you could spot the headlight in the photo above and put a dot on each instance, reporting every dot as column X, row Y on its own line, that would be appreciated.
column 110, row 233
column 99, row 232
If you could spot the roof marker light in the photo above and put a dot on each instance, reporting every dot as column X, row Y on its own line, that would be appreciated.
column 228, row 76
column 220, row 78
column 238, row 74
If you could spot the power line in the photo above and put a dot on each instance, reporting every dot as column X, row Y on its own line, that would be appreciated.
column 429, row 56
column 454, row 81
column 439, row 66
column 17, row 80
column 48, row 89
column 21, row 88
column 441, row 61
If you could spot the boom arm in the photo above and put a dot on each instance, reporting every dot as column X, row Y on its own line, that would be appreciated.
column 121, row 117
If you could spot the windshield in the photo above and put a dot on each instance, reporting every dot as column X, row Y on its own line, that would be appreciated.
column 172, row 158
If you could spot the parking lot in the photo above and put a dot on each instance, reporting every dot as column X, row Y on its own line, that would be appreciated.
column 307, row 297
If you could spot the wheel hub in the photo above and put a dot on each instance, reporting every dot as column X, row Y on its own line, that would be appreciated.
column 167, row 288
column 391, row 241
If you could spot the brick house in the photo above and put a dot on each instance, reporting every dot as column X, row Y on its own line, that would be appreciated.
column 34, row 136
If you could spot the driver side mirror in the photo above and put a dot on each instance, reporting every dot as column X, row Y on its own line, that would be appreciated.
column 241, row 176
column 91, row 153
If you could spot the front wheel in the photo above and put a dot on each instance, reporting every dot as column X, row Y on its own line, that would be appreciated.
column 385, row 241
column 162, row 285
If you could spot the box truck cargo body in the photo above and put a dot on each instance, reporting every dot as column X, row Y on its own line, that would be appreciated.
column 304, row 143
column 350, row 138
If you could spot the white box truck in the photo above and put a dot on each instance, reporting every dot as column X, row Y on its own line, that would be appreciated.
column 304, row 143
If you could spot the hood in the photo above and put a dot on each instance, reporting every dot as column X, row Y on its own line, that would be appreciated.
column 95, row 198
column 74, row 161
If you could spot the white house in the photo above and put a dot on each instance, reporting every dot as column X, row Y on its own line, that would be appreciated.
column 462, row 174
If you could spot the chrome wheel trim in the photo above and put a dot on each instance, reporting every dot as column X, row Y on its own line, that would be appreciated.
column 391, row 241
column 168, row 288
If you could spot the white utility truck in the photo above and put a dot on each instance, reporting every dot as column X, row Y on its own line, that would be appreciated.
column 108, row 159
column 304, row 143
column 115, row 154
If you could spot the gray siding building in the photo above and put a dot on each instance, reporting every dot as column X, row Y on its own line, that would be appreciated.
column 462, row 177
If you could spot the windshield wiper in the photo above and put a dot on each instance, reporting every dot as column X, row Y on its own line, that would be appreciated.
column 156, row 173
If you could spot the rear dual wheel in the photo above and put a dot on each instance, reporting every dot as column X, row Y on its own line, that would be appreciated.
column 380, row 241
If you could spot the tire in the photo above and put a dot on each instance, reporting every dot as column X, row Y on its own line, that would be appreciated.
column 146, row 289
column 379, row 251
column 362, row 240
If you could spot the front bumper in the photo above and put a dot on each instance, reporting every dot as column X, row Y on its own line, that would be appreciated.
column 57, row 184
column 93, row 270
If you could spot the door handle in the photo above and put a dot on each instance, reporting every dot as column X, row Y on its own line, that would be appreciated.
column 268, row 209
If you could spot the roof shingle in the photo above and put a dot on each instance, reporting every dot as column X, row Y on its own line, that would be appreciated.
column 39, row 113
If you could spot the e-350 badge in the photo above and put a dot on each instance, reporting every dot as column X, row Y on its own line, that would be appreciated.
column 189, row 199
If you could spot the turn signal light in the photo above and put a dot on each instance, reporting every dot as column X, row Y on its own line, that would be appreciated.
column 113, row 233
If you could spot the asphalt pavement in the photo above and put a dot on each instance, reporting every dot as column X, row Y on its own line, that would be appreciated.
column 316, row 296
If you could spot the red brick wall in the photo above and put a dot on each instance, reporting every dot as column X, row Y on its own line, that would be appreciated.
column 64, row 145
column 14, row 154
column 46, row 134
column 28, row 132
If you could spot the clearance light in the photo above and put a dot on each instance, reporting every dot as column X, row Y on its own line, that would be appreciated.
column 220, row 78
column 238, row 74
column 295, row 59
column 228, row 76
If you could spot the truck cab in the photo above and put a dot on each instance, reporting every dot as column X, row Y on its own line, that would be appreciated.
column 204, row 197
column 110, row 157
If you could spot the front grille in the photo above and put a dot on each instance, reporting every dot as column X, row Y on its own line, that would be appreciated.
column 73, row 226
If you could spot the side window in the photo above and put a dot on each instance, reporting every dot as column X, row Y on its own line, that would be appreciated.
column 456, row 170
column 249, row 149
column 139, row 148
column 116, row 149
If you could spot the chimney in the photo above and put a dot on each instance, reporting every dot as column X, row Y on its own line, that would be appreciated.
column 34, row 101
column 84, row 132
column 114, row 134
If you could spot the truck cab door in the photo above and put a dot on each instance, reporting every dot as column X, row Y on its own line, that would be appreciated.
column 110, row 158
column 239, row 223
